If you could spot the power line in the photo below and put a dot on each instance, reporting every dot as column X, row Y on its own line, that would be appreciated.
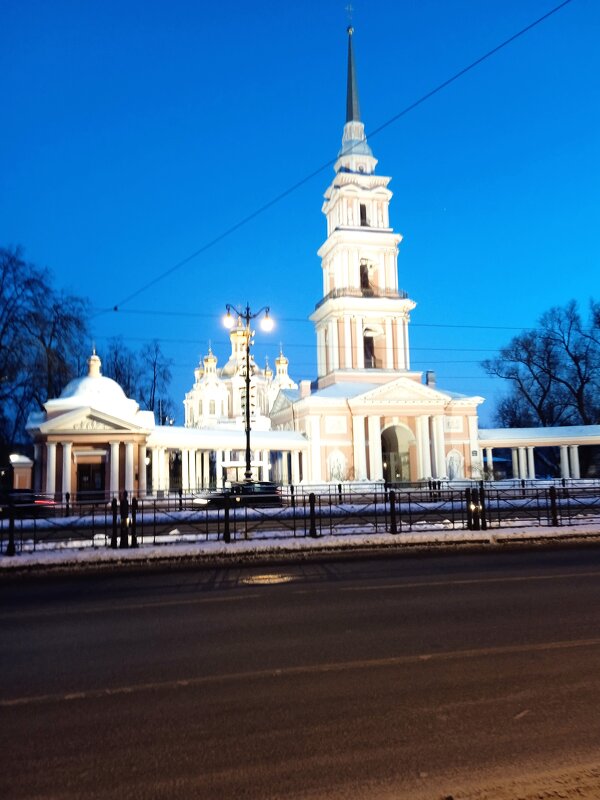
column 199, row 315
column 371, row 134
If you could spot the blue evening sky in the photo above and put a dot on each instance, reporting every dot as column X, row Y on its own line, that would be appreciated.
column 134, row 132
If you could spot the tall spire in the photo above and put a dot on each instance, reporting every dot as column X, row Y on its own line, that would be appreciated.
column 355, row 155
column 352, row 106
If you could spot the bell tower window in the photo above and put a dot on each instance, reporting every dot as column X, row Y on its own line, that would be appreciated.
column 363, row 216
column 364, row 275
column 369, row 352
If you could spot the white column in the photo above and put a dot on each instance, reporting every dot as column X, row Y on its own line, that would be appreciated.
column 515, row 461
column 321, row 355
column 439, row 446
column 315, row 449
column 530, row 464
column 142, row 488
column 193, row 481
column 522, row 462
column 389, row 345
column 219, row 467
column 564, row 461
column 114, row 468
column 574, row 459
column 360, row 350
column 400, row 359
column 425, row 447
column 334, row 346
column 50, row 467
column 295, row 467
column 37, row 467
column 348, row 342
column 360, row 456
column 375, row 461
column 406, row 348
column 155, row 470
column 206, row 469
column 66, row 467
column 489, row 460
column 185, row 470
column 163, row 469
column 265, row 461
column 129, row 467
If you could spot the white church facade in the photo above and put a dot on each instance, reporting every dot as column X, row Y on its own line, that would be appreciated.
column 368, row 416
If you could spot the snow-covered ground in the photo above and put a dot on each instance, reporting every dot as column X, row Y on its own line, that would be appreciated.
column 177, row 545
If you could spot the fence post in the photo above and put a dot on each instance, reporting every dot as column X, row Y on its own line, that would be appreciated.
column 340, row 493
column 312, row 531
column 113, row 538
column 292, row 497
column 124, row 509
column 393, row 527
column 134, row 508
column 226, row 529
column 482, row 508
column 68, row 498
column 469, row 509
column 476, row 510
column 180, row 499
column 554, row 507
column 10, row 547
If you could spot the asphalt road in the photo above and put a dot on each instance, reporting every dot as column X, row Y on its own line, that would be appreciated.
column 458, row 676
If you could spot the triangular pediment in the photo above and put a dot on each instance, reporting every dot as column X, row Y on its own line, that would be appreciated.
column 281, row 403
column 404, row 391
column 87, row 420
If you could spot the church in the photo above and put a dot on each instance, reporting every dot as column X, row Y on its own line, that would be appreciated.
column 366, row 417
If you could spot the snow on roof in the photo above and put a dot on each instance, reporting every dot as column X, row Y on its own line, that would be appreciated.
column 222, row 438
column 344, row 390
column 527, row 434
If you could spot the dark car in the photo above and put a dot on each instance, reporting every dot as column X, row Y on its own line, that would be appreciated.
column 259, row 493
column 256, row 494
column 26, row 504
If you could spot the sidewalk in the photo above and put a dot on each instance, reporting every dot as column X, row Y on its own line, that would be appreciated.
column 196, row 549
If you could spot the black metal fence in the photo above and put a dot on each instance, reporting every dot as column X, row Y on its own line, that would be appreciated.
column 335, row 510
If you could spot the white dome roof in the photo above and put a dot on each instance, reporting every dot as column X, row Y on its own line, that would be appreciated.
column 94, row 390
column 99, row 390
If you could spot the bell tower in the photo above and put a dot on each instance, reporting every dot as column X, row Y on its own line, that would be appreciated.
column 362, row 320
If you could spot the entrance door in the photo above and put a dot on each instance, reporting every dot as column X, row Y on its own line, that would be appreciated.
column 91, row 480
column 395, row 442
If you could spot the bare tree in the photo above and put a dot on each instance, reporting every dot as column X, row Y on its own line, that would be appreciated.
column 156, row 375
column 554, row 371
column 42, row 333
column 122, row 364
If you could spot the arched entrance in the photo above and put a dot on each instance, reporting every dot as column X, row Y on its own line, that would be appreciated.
column 395, row 443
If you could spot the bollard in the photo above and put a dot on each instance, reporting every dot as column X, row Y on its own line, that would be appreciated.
column 134, row 508
column 226, row 529
column 469, row 509
column 124, row 509
column 476, row 509
column 312, row 531
column 482, row 508
column 113, row 538
column 393, row 526
column 554, row 507
column 10, row 547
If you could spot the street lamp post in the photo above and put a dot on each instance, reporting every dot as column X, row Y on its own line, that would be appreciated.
column 266, row 323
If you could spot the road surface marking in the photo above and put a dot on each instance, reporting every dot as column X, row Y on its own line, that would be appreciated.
column 332, row 667
column 212, row 598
